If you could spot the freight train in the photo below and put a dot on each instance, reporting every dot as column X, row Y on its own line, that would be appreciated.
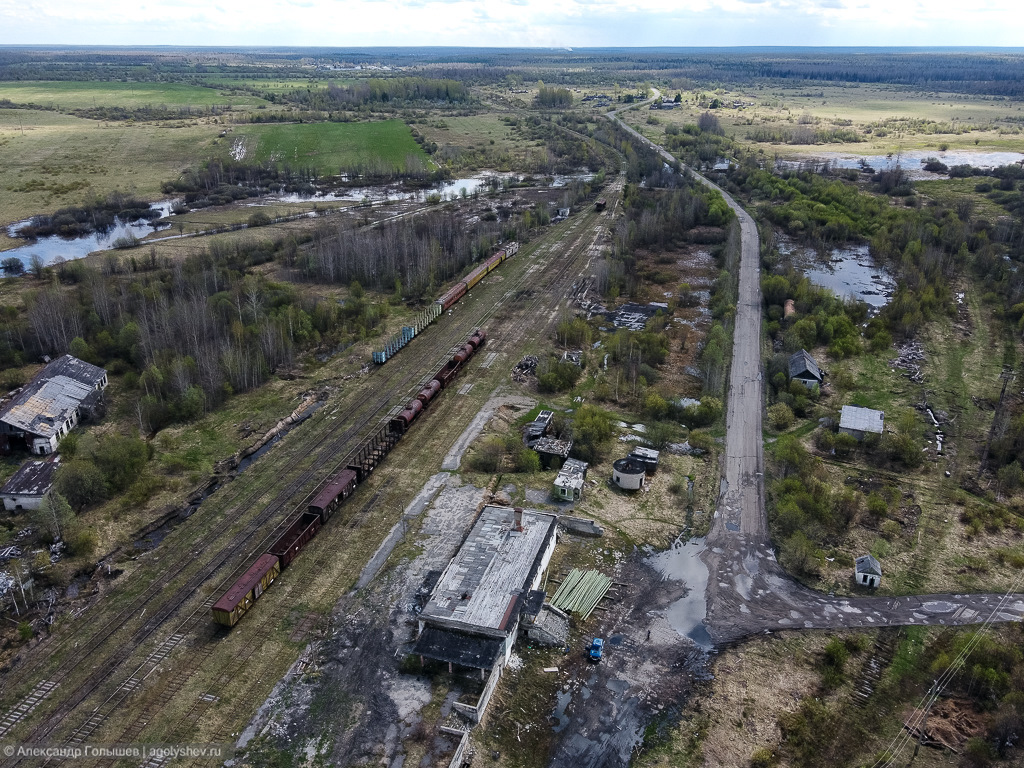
column 431, row 313
column 241, row 595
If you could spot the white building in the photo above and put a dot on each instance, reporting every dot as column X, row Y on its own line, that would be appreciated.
column 29, row 485
column 868, row 571
column 861, row 422
column 52, row 404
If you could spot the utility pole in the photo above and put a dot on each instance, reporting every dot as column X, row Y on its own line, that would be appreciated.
column 933, row 695
column 1006, row 376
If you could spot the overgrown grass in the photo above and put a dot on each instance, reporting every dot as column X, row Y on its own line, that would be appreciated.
column 67, row 94
column 328, row 147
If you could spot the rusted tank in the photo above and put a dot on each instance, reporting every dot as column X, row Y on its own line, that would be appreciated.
column 428, row 392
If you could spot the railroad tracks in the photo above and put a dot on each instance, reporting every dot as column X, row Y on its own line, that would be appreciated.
column 120, row 690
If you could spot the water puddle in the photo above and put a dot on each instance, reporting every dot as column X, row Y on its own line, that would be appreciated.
column 563, row 698
column 912, row 161
column 849, row 272
column 682, row 563
column 54, row 247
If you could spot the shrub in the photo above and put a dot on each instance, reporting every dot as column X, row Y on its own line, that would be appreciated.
column 780, row 416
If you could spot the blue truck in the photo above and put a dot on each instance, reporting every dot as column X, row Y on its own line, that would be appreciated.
column 595, row 650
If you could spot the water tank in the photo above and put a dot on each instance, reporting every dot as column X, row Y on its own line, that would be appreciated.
column 629, row 474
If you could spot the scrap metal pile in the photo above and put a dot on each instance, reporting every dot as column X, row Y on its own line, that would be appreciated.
column 581, row 592
column 525, row 368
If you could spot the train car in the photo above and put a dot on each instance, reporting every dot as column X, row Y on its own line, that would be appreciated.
column 247, row 590
column 454, row 293
column 400, row 423
column 338, row 488
column 295, row 538
column 429, row 392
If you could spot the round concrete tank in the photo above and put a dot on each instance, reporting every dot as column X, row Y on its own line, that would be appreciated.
column 629, row 474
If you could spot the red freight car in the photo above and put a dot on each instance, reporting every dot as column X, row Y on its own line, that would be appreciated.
column 454, row 294
column 295, row 538
column 246, row 591
column 338, row 489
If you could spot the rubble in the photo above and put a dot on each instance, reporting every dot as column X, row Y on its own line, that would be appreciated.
column 525, row 368
column 909, row 359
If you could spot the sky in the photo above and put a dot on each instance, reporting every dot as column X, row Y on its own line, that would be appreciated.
column 514, row 23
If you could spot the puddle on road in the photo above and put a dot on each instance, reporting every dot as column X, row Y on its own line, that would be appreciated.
column 682, row 563
column 563, row 697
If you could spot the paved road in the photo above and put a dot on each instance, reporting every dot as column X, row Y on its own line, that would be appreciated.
column 747, row 591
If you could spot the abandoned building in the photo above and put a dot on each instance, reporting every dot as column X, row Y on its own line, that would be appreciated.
column 629, row 473
column 29, row 485
column 646, row 456
column 552, row 452
column 568, row 485
column 66, row 391
column 868, row 571
column 473, row 615
column 803, row 368
column 537, row 428
column 860, row 422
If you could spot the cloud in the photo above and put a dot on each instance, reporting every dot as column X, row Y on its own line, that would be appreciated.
column 503, row 23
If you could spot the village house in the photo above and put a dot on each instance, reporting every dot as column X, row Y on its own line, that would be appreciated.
column 861, row 422
column 868, row 571
column 803, row 368
column 51, row 405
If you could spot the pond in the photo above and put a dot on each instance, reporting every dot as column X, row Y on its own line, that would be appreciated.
column 912, row 161
column 849, row 272
column 55, row 247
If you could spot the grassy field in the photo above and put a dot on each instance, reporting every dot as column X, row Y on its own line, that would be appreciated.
column 86, row 95
column 898, row 118
column 49, row 160
column 330, row 146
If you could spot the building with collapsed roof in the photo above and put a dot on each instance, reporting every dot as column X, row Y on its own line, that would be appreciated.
column 552, row 451
column 473, row 615
column 568, row 484
column 51, row 405
column 29, row 485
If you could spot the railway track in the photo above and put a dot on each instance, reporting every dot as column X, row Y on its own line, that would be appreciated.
column 120, row 690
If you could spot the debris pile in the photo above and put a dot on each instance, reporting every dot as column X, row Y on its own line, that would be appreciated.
column 525, row 368
column 909, row 359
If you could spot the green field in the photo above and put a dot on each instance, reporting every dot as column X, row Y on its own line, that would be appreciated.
column 328, row 147
column 49, row 160
column 86, row 95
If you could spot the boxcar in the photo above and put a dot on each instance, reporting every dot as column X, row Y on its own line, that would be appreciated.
column 338, row 489
column 295, row 538
column 246, row 591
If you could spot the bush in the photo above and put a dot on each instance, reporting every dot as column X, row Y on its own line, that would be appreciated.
column 877, row 506
column 259, row 219
column 82, row 542
column 763, row 758
column 780, row 416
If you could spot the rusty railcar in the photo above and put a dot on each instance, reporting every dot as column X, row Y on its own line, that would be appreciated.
column 294, row 539
column 247, row 590
column 338, row 488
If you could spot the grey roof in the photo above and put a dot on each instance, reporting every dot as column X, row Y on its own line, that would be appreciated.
column 645, row 454
column 479, row 589
column 79, row 370
column 802, row 365
column 53, row 395
column 868, row 564
column 34, row 478
column 41, row 410
column 861, row 419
